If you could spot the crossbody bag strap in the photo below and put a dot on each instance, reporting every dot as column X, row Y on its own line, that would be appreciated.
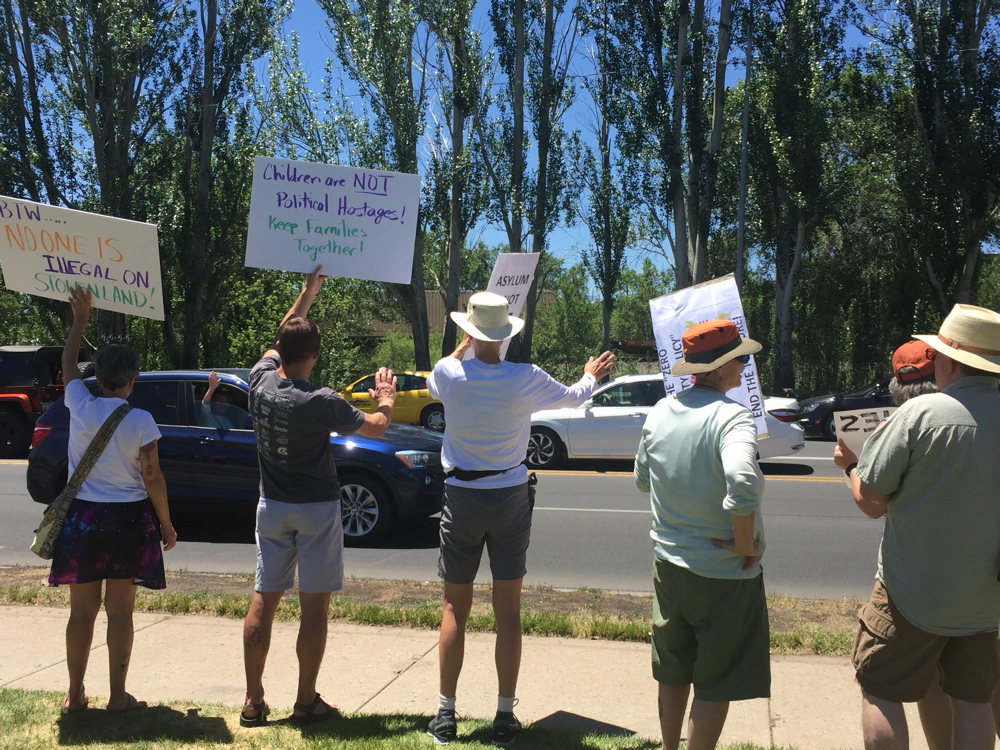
column 97, row 446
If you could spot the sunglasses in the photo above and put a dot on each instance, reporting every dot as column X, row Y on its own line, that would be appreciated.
column 744, row 358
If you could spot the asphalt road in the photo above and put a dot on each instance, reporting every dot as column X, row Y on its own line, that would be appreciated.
column 591, row 529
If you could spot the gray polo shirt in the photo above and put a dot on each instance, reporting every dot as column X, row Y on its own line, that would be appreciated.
column 938, row 458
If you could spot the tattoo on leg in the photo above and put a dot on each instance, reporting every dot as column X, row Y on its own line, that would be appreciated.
column 252, row 636
column 659, row 706
column 125, row 662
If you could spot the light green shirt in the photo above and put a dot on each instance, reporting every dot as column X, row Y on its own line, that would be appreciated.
column 698, row 460
column 938, row 458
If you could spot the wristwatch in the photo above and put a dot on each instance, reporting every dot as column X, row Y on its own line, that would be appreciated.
column 850, row 468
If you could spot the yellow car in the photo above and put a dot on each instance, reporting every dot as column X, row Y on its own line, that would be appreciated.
column 414, row 404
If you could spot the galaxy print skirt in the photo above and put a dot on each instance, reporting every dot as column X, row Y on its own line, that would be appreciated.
column 109, row 540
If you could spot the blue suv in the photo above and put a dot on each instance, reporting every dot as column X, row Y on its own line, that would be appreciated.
column 208, row 454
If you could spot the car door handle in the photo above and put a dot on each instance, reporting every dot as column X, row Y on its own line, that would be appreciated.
column 207, row 441
column 636, row 414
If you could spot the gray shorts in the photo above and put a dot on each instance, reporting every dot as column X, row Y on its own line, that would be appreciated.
column 498, row 518
column 308, row 533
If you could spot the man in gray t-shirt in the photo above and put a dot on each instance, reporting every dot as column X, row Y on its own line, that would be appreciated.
column 298, row 515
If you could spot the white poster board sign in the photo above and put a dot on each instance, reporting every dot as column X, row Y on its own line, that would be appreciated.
column 854, row 426
column 512, row 276
column 356, row 223
column 674, row 313
column 47, row 250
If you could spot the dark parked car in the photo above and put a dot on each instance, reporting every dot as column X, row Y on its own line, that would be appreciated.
column 30, row 382
column 816, row 414
column 209, row 456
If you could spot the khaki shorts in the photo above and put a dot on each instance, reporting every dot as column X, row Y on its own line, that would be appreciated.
column 499, row 519
column 896, row 661
column 712, row 632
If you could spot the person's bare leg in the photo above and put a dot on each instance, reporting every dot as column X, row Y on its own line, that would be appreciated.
column 84, row 604
column 671, row 702
column 119, row 603
column 705, row 723
column 451, row 642
column 256, row 642
column 935, row 717
column 996, row 710
column 311, row 645
column 973, row 726
column 507, row 611
column 883, row 724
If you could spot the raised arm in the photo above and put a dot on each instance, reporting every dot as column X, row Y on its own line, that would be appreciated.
column 300, row 308
column 213, row 383
column 384, row 394
column 80, row 301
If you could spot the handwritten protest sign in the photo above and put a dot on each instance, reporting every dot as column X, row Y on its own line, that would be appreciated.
column 854, row 426
column 674, row 313
column 47, row 250
column 511, row 278
column 356, row 223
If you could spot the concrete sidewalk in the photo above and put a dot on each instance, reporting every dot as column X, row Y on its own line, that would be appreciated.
column 576, row 684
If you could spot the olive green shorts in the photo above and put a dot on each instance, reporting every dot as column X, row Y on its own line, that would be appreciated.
column 710, row 632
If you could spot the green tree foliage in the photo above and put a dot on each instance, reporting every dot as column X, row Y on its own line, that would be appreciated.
column 569, row 327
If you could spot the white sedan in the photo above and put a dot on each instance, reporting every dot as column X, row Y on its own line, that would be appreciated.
column 608, row 425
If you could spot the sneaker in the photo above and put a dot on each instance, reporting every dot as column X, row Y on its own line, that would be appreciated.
column 443, row 728
column 506, row 727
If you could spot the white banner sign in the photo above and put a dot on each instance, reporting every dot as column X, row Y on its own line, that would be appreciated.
column 356, row 223
column 674, row 313
column 854, row 426
column 47, row 250
column 511, row 278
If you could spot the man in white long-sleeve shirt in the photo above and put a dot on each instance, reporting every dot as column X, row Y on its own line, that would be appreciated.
column 697, row 461
column 489, row 402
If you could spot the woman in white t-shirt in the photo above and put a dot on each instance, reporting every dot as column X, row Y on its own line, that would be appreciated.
column 114, row 526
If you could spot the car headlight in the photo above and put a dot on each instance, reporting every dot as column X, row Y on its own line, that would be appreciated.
column 812, row 407
column 418, row 459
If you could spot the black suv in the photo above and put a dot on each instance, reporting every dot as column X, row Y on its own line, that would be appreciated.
column 209, row 456
column 30, row 382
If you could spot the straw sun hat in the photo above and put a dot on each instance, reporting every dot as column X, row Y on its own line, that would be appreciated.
column 487, row 319
column 970, row 335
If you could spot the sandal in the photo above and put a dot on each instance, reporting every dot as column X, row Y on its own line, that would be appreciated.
column 309, row 710
column 132, row 704
column 254, row 721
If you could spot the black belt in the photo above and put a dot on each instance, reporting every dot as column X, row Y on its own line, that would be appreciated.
column 468, row 475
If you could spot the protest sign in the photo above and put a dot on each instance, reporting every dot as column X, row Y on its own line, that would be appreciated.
column 356, row 223
column 47, row 250
column 674, row 313
column 854, row 426
column 511, row 278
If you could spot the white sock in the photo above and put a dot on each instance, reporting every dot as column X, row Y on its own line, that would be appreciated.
column 446, row 704
column 505, row 704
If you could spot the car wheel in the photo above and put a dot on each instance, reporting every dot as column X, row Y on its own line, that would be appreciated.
column 545, row 449
column 830, row 427
column 15, row 439
column 365, row 508
column 432, row 417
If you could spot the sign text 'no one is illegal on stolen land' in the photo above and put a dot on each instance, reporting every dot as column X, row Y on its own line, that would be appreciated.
column 357, row 223
column 47, row 250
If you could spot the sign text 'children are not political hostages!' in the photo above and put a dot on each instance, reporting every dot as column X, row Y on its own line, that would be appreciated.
column 357, row 223
column 47, row 250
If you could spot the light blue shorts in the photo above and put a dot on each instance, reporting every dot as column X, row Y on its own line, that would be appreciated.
column 308, row 533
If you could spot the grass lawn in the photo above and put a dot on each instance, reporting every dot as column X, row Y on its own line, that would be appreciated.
column 33, row 720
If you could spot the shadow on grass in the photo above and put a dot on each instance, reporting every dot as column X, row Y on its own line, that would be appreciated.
column 560, row 730
column 144, row 725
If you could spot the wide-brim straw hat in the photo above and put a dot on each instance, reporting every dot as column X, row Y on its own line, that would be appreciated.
column 711, row 344
column 488, row 319
column 970, row 335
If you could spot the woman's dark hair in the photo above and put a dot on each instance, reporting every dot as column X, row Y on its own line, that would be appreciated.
column 297, row 339
column 115, row 365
